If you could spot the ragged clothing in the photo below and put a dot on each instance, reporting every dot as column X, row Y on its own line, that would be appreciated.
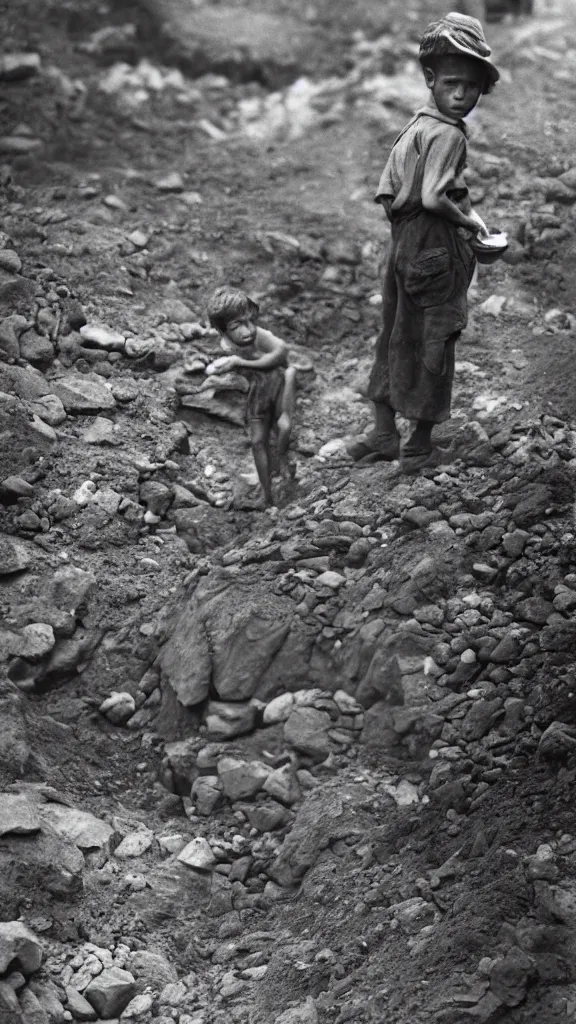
column 266, row 387
column 265, row 394
column 428, row 271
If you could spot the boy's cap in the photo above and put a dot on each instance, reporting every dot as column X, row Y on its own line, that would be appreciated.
column 459, row 34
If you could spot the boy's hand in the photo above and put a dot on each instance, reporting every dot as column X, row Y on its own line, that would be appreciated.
column 224, row 364
column 479, row 225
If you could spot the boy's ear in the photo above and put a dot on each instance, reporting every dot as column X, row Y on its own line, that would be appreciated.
column 428, row 77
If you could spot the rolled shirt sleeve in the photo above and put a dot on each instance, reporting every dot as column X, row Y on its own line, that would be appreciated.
column 443, row 162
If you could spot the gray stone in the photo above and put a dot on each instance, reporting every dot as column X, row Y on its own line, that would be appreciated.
column 135, row 844
column 11, row 327
column 138, row 1007
column 481, row 717
column 307, row 731
column 173, row 994
column 118, row 707
column 182, row 756
column 31, row 1008
column 559, row 636
column 198, row 854
column 557, row 740
column 183, row 498
column 241, row 43
column 50, row 409
column 535, row 610
column 9, row 1005
column 329, row 812
column 228, row 404
column 28, row 521
column 266, row 817
column 20, row 949
column 24, row 381
column 44, row 864
column 71, row 587
column 331, row 579
column 156, row 496
column 49, row 999
column 510, row 975
column 10, row 260
column 151, row 969
column 283, row 785
column 82, row 395
column 14, row 487
column 176, row 311
column 103, row 337
column 79, row 1007
column 241, row 779
column 80, row 827
column 207, row 794
column 43, row 429
column 108, row 499
column 101, row 431
column 18, row 814
column 171, row 183
column 34, row 641
column 174, row 895
column 226, row 635
column 223, row 721
column 111, row 991
column 13, row 556
column 508, row 649
column 36, row 349
column 16, row 66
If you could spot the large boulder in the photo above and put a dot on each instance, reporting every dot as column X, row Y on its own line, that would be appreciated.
column 330, row 812
column 226, row 635
column 243, row 44
column 88, row 832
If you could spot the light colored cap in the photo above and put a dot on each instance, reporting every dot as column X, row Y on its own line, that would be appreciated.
column 458, row 34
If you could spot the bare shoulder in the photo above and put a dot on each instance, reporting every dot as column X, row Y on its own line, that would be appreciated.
column 267, row 341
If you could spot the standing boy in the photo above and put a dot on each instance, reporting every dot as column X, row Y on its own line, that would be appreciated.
column 262, row 358
column 431, row 261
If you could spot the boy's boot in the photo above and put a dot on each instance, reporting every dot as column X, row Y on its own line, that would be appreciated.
column 382, row 443
column 418, row 452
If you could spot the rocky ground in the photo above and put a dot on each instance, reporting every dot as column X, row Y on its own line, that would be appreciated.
column 313, row 765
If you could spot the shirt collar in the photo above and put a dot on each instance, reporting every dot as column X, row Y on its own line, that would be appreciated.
column 432, row 111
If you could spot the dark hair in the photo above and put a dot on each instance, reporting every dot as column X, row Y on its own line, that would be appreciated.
column 227, row 304
column 435, row 61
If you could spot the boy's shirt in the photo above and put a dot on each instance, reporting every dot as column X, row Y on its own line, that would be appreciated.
column 432, row 150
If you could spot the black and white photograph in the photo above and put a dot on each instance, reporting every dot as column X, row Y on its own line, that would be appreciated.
column 288, row 511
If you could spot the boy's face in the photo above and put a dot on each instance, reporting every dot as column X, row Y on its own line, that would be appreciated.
column 456, row 84
column 241, row 331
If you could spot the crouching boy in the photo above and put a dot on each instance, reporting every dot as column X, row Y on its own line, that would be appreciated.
column 262, row 359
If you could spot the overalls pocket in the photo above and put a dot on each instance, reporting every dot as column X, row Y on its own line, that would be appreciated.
column 429, row 278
